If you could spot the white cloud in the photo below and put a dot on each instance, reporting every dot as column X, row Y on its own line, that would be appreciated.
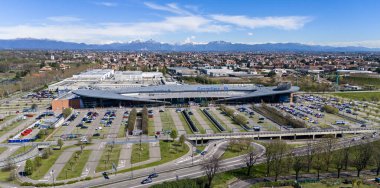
column 287, row 22
column 112, row 31
column 189, row 39
column 64, row 19
column 107, row 4
column 250, row 34
column 171, row 7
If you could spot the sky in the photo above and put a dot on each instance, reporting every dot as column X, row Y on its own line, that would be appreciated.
column 319, row 22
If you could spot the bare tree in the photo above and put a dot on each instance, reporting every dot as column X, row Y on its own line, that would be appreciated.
column 298, row 164
column 362, row 156
column 280, row 152
column 339, row 161
column 310, row 154
column 211, row 167
column 328, row 143
column 250, row 159
column 269, row 153
column 346, row 154
column 376, row 159
column 318, row 161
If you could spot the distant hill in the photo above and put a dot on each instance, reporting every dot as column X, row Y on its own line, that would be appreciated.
column 150, row 45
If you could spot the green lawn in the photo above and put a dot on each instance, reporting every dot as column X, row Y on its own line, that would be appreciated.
column 46, row 164
column 233, row 152
column 109, row 157
column 167, row 121
column 20, row 150
column 361, row 96
column 74, row 167
column 2, row 149
column 184, row 123
column 220, row 121
column 6, row 118
column 10, row 127
column 169, row 151
column 207, row 120
column 151, row 129
column 321, row 185
column 121, row 132
column 140, row 154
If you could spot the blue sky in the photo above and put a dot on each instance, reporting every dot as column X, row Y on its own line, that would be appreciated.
column 326, row 22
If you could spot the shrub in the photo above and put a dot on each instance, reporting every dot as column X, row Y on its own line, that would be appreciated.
column 330, row 109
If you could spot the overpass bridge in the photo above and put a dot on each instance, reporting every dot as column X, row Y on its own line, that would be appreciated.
column 292, row 134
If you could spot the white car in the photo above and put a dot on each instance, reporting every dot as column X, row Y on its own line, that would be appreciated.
column 99, row 128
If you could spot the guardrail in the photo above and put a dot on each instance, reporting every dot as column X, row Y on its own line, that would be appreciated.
column 214, row 121
column 190, row 122
column 285, row 133
column 32, row 152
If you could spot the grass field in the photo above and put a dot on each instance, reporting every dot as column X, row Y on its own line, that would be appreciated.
column 169, row 151
column 108, row 157
column 233, row 152
column 20, row 150
column 167, row 121
column 46, row 164
column 197, row 124
column 139, row 155
column 151, row 130
column 361, row 81
column 10, row 127
column 362, row 96
column 74, row 167
column 2, row 149
column 220, row 121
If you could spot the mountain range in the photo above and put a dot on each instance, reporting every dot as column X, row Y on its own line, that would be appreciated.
column 151, row 45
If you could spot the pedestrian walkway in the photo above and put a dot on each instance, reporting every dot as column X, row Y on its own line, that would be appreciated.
column 94, row 159
column 177, row 122
column 59, row 164
column 125, row 156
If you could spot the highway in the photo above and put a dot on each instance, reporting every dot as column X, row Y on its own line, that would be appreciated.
column 184, row 169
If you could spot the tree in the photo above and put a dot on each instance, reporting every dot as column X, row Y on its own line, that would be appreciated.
column 310, row 151
column 34, row 106
column 250, row 159
column 182, row 139
column 298, row 164
column 28, row 167
column 346, row 154
column 144, row 120
column 211, row 167
column 173, row 134
column 362, row 156
column 330, row 109
column 318, row 160
column 37, row 161
column 60, row 143
column 278, row 157
column 376, row 158
column 328, row 143
column 66, row 112
column 338, row 160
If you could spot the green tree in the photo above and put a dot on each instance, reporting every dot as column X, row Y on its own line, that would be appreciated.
column 28, row 167
column 173, row 134
column 60, row 143
column 182, row 139
column 66, row 112
column 34, row 106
